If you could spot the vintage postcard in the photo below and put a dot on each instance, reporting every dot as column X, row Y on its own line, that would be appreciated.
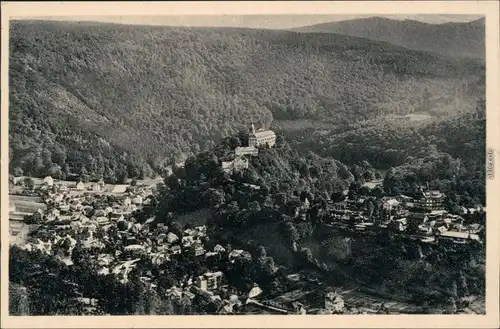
column 250, row 164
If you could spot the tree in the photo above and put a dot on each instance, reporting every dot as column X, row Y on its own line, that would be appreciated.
column 377, row 191
column 84, row 175
column 338, row 196
column 462, row 286
column 172, row 182
column 291, row 232
column 29, row 183
column 81, row 257
column 354, row 190
column 17, row 172
column 55, row 172
column 452, row 306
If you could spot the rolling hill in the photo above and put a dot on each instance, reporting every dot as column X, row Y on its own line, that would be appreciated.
column 121, row 101
column 449, row 39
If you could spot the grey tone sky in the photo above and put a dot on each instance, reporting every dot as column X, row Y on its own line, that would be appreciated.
column 252, row 21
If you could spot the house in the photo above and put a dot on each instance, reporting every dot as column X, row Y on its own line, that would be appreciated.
column 158, row 259
column 425, row 229
column 298, row 308
column 137, row 200
column 334, row 302
column 134, row 247
column 100, row 213
column 201, row 230
column 126, row 201
column 459, row 235
column 102, row 220
column 49, row 181
column 117, row 216
column 390, row 204
column 127, row 210
column 396, row 225
column 199, row 250
column 80, row 186
column 209, row 281
column 89, row 304
column 219, row 249
column 176, row 249
column 160, row 238
column 238, row 253
column 64, row 208
column 237, row 165
column 251, row 186
column 187, row 240
column 261, row 137
column 174, row 292
column 442, row 229
column 103, row 270
column 255, row 291
column 428, row 201
column 189, row 231
column 122, row 270
column 171, row 238
column 227, row 166
column 119, row 189
column 105, row 259
column 246, row 150
column 95, row 187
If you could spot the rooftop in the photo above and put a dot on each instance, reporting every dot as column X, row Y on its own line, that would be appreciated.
column 262, row 134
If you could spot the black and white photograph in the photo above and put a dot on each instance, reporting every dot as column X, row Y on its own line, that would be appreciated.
column 316, row 164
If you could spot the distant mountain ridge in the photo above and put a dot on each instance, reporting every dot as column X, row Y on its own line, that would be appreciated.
column 448, row 39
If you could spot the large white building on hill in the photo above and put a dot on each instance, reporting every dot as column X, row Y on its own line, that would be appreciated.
column 256, row 139
column 261, row 137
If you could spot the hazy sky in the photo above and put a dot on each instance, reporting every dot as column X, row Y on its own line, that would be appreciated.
column 251, row 21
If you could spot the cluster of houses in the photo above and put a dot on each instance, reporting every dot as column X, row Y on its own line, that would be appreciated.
column 422, row 215
column 103, row 224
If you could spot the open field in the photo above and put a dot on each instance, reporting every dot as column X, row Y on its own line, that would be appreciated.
column 26, row 204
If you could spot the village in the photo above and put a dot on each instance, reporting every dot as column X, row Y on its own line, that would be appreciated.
column 100, row 218
column 422, row 215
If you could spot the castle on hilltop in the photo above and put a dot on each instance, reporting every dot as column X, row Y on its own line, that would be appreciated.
column 256, row 138
column 261, row 137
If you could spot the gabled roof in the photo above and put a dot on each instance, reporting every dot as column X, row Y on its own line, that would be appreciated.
column 263, row 134
column 122, row 188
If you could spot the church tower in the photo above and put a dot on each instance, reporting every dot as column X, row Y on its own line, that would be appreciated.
column 252, row 128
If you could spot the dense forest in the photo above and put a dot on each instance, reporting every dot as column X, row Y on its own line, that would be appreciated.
column 116, row 101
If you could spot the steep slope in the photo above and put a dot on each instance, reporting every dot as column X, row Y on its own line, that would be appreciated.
column 115, row 100
column 449, row 39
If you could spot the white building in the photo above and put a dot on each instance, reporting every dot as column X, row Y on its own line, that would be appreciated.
column 49, row 181
column 334, row 302
column 80, row 186
column 209, row 281
column 261, row 137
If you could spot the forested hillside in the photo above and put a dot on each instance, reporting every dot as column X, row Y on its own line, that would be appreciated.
column 121, row 101
column 450, row 39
